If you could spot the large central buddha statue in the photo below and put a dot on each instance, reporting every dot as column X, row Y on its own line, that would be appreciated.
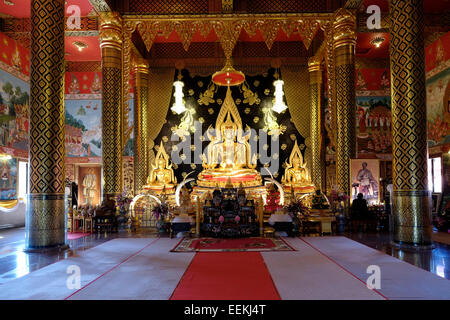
column 228, row 156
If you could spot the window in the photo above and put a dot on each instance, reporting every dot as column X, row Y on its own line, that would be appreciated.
column 435, row 175
column 23, row 180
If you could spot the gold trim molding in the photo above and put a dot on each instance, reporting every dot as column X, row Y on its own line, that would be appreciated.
column 110, row 33
column 344, row 28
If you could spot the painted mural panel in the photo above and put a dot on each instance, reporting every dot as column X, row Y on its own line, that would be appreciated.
column 14, row 58
column 8, row 179
column 437, row 56
column 14, row 112
column 83, row 128
column 373, row 125
column 438, row 108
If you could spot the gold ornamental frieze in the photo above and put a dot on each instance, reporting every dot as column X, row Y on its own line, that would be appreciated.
column 228, row 27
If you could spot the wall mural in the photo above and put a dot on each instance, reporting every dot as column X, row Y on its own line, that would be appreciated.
column 252, row 98
column 8, row 179
column 14, row 58
column 83, row 128
column 373, row 114
column 14, row 112
column 80, row 84
column 373, row 125
column 438, row 91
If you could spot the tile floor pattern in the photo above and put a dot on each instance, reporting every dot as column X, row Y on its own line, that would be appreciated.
column 114, row 261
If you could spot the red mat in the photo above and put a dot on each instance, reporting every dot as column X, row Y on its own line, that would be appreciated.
column 237, row 244
column 76, row 235
column 226, row 276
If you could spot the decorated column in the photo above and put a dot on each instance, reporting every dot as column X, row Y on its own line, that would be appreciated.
column 45, row 219
column 411, row 198
column 112, row 103
column 315, row 85
column 141, row 121
column 344, row 59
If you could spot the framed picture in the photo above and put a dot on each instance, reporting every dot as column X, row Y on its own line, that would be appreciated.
column 365, row 179
column 435, row 202
column 89, row 181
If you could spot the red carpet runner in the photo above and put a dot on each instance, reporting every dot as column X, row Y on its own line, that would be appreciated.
column 74, row 235
column 226, row 276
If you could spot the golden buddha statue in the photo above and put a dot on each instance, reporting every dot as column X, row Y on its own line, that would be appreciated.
column 186, row 206
column 228, row 156
column 296, row 175
column 161, row 174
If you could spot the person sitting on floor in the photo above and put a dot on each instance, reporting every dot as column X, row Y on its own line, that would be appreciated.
column 360, row 211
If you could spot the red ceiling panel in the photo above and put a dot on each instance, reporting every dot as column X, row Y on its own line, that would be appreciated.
column 91, row 53
column 364, row 47
column 22, row 8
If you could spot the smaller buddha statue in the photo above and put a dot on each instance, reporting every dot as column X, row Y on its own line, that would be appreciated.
column 241, row 196
column 296, row 174
column 161, row 174
column 186, row 206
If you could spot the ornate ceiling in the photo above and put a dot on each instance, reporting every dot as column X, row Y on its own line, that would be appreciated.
column 168, row 45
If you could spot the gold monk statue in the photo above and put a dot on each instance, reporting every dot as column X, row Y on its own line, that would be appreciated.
column 296, row 174
column 161, row 173
column 228, row 156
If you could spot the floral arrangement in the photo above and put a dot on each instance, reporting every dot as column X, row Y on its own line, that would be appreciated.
column 337, row 196
column 297, row 208
column 123, row 201
column 160, row 210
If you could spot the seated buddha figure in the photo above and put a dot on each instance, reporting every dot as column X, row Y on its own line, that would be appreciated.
column 296, row 175
column 161, row 174
column 228, row 156
column 186, row 206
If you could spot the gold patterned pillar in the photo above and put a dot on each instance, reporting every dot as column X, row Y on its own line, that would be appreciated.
column 45, row 219
column 344, row 59
column 315, row 86
column 141, row 123
column 411, row 201
column 112, row 103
